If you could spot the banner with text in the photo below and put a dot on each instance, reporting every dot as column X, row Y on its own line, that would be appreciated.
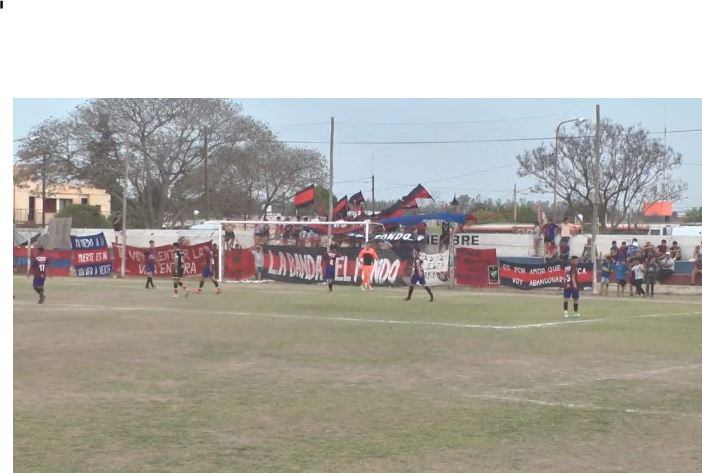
column 239, row 264
column 59, row 261
column 306, row 265
column 91, row 257
column 533, row 276
column 435, row 268
column 478, row 268
column 136, row 259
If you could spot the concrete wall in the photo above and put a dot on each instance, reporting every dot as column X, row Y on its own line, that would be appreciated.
column 514, row 245
column 166, row 237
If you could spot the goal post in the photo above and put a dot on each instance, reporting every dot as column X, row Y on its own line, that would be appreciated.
column 221, row 224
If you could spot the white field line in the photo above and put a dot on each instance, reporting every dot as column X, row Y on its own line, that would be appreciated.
column 82, row 307
column 613, row 377
column 591, row 407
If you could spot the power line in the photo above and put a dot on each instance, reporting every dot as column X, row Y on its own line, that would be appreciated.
column 466, row 122
column 484, row 140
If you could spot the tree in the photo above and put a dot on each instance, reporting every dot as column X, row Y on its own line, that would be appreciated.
column 694, row 215
column 84, row 216
column 634, row 169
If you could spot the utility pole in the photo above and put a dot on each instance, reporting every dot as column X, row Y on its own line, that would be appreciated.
column 43, row 189
column 596, row 198
column 124, row 210
column 373, row 194
column 207, row 187
column 514, row 198
column 331, row 184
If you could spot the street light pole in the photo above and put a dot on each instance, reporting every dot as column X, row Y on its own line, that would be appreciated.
column 123, row 267
column 555, row 161
column 43, row 189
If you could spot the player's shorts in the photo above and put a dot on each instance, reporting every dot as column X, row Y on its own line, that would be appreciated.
column 605, row 280
column 38, row 282
column 416, row 279
column 329, row 273
column 621, row 282
column 178, row 271
column 207, row 272
column 150, row 268
column 571, row 293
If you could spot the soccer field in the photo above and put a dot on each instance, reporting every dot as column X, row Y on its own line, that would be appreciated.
column 111, row 377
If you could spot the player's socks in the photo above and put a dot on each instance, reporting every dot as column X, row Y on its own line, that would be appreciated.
column 575, row 307
column 409, row 294
column 202, row 283
column 330, row 286
column 565, row 309
column 431, row 296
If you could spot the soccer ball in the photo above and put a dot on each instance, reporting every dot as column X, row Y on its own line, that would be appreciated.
column 196, row 212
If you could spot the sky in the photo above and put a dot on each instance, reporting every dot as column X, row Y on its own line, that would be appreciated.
column 485, row 169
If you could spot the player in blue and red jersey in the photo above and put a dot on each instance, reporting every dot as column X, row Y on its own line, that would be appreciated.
column 329, row 266
column 208, row 272
column 150, row 254
column 40, row 269
column 418, row 276
column 571, row 287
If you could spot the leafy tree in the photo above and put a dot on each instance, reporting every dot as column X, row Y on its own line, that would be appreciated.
column 84, row 216
column 694, row 215
column 634, row 169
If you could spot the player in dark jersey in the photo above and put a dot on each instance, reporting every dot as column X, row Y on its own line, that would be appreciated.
column 208, row 272
column 150, row 254
column 330, row 265
column 418, row 276
column 178, row 270
column 571, row 287
column 40, row 269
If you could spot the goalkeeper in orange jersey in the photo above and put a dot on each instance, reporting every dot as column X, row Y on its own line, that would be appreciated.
column 367, row 256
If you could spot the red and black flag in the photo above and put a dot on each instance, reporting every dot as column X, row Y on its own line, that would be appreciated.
column 395, row 210
column 340, row 209
column 356, row 199
column 454, row 202
column 410, row 200
column 305, row 197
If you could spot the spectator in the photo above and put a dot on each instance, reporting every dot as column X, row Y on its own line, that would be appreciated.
column 258, row 234
column 567, row 229
column 549, row 233
column 536, row 230
column 649, row 250
column 287, row 231
column 663, row 247
column 586, row 256
column 607, row 267
column 613, row 250
column 666, row 267
column 633, row 249
column 651, row 274
column 622, row 252
column 445, row 234
column 675, row 251
column 564, row 251
column 639, row 272
column 258, row 262
column 620, row 271
column 229, row 237
column 696, row 252
column 696, row 268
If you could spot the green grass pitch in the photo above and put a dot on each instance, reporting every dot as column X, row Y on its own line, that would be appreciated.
column 110, row 377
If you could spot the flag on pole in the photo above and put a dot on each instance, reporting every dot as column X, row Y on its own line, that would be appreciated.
column 454, row 202
column 356, row 199
column 305, row 197
column 339, row 212
column 410, row 200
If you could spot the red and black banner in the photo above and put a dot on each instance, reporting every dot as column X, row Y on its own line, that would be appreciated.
column 305, row 265
column 305, row 197
column 477, row 268
column 195, row 259
column 533, row 276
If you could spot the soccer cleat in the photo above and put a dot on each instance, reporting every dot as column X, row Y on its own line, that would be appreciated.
column 407, row 298
column 371, row 288
column 576, row 315
column 174, row 295
column 42, row 298
column 218, row 291
column 187, row 293
column 565, row 314
column 363, row 288
column 199, row 290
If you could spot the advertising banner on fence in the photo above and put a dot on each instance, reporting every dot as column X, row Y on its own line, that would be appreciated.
column 532, row 276
column 90, row 256
column 305, row 265
column 59, row 261
column 435, row 268
column 478, row 268
column 136, row 259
